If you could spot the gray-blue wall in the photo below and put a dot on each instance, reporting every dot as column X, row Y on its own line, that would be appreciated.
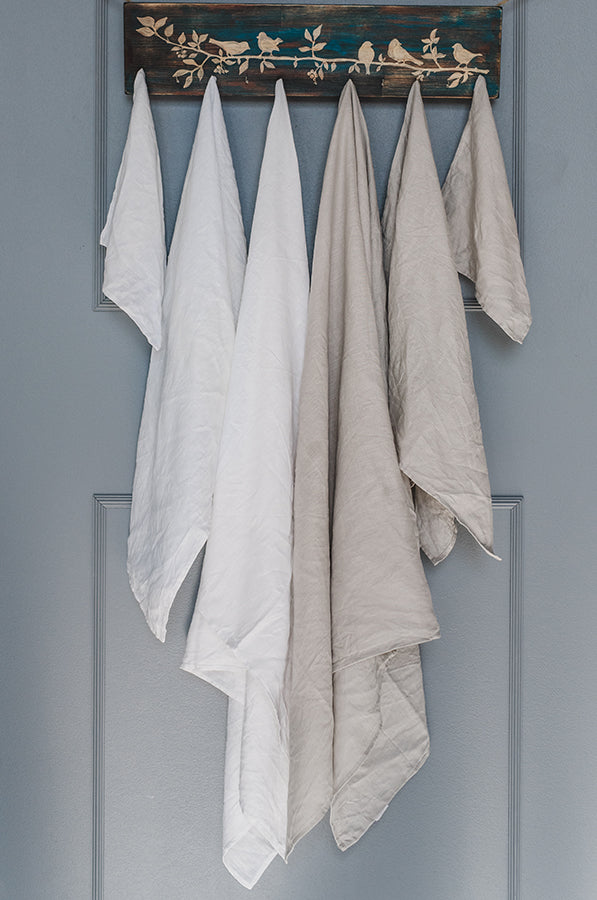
column 72, row 383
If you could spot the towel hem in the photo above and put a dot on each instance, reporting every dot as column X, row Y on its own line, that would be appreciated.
column 415, row 480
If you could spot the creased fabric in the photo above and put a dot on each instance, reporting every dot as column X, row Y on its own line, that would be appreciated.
column 433, row 405
column 238, row 638
column 187, row 384
column 481, row 221
column 356, row 547
column 134, row 235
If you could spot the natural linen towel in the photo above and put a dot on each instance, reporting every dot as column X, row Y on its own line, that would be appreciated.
column 134, row 231
column 433, row 404
column 481, row 221
column 188, row 378
column 238, row 638
column 353, row 511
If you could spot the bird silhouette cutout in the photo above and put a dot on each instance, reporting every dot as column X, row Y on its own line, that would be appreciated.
column 398, row 53
column 366, row 55
column 267, row 44
column 231, row 48
column 462, row 56
column 225, row 57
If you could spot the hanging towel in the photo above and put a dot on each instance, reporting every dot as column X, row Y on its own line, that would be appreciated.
column 238, row 638
column 350, row 489
column 433, row 404
column 481, row 221
column 188, row 378
column 134, row 235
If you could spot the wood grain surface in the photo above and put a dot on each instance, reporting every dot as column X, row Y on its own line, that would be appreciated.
column 315, row 49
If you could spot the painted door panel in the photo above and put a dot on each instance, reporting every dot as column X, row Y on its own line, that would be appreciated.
column 114, row 793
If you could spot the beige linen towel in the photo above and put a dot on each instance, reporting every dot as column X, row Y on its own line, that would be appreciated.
column 481, row 221
column 433, row 404
column 356, row 547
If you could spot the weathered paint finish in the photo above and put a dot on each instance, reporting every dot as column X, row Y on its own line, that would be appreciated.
column 314, row 48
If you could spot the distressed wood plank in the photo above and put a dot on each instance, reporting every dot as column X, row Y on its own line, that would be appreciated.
column 315, row 49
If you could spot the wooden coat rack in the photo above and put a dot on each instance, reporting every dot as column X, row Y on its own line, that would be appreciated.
column 315, row 49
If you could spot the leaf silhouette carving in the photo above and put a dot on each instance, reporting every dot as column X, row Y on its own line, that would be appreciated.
column 226, row 54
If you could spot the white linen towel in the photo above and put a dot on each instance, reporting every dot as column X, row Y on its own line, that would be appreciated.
column 481, row 221
column 433, row 404
column 188, row 377
column 238, row 638
column 134, row 235
column 353, row 510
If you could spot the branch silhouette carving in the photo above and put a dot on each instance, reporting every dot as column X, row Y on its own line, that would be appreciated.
column 235, row 55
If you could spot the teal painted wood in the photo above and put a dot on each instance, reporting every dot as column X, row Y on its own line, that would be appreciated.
column 314, row 48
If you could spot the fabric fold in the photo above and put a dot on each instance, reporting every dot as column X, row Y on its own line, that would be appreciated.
column 481, row 221
column 187, row 384
column 433, row 405
column 134, row 235
column 238, row 639
column 356, row 546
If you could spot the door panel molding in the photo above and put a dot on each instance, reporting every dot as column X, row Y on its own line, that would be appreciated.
column 104, row 504
column 519, row 112
column 101, row 150
column 514, row 505
column 101, row 303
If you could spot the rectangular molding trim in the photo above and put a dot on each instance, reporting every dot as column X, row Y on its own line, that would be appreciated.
column 104, row 504
column 101, row 150
column 514, row 505
column 100, row 302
